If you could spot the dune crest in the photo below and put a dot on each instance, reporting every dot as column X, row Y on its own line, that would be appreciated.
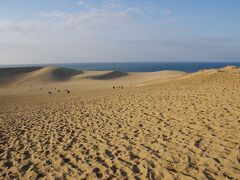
column 56, row 74
column 23, row 79
column 36, row 74
column 8, row 75
column 110, row 75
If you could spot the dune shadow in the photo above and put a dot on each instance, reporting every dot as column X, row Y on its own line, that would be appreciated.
column 62, row 74
column 110, row 75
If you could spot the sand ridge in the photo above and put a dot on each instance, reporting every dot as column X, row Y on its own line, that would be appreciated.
column 55, row 80
column 183, row 128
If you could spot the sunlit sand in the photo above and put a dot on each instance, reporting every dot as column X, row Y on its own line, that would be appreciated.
column 116, row 125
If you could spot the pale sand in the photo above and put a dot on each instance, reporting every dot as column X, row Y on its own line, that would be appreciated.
column 162, row 125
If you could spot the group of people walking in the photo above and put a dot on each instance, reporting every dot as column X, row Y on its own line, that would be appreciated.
column 66, row 90
column 117, row 87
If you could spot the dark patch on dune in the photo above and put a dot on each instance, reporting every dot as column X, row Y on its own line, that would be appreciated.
column 111, row 75
column 61, row 74
column 10, row 74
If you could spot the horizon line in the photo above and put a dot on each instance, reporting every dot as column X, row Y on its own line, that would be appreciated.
column 105, row 62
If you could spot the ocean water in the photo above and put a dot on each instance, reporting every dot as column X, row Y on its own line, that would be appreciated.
column 141, row 66
column 150, row 66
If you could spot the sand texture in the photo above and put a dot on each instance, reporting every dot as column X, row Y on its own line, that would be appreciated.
column 162, row 125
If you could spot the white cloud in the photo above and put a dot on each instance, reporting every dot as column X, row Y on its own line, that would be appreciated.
column 23, row 27
column 112, row 17
column 112, row 4
column 101, row 21
column 83, row 3
column 53, row 14
column 112, row 31
column 167, row 12
column 61, row 22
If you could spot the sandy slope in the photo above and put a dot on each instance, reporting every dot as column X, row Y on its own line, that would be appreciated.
column 182, row 128
column 46, row 79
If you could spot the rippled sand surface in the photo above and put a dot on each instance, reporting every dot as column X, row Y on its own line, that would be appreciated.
column 184, row 128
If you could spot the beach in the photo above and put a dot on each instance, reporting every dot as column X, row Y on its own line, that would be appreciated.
column 58, row 123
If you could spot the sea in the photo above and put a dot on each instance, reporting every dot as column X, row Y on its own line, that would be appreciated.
column 138, row 66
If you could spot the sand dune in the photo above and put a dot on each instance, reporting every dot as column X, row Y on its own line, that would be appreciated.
column 49, row 74
column 110, row 75
column 8, row 75
column 43, row 80
column 9, row 72
column 186, row 127
column 60, row 74
column 18, row 75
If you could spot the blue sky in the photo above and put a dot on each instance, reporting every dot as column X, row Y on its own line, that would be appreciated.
column 51, row 31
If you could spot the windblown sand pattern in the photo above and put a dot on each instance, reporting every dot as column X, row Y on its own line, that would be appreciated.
column 184, row 128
